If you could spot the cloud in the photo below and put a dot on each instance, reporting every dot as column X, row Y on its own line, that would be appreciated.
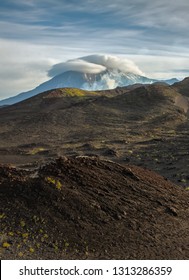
column 21, row 69
column 78, row 65
column 38, row 34
column 163, row 66
column 96, row 64
column 124, row 24
column 140, row 13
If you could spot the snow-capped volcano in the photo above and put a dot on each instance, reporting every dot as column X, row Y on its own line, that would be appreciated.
column 95, row 72
column 107, row 79
column 112, row 78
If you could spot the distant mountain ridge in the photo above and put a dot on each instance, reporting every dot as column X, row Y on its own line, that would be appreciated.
column 108, row 79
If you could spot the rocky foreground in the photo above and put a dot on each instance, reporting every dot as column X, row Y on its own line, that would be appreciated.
column 87, row 208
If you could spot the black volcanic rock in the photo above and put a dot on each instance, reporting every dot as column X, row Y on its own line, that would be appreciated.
column 86, row 208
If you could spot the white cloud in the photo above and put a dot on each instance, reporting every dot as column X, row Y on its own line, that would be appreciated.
column 24, row 66
column 78, row 65
column 96, row 64
column 163, row 66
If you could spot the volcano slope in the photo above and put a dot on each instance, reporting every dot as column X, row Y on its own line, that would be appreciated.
column 144, row 125
column 87, row 208
column 182, row 87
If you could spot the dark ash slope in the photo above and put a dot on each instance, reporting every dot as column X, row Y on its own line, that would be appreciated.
column 86, row 208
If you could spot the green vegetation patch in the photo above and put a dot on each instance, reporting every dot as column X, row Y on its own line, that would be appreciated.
column 54, row 182
column 71, row 92
column 36, row 150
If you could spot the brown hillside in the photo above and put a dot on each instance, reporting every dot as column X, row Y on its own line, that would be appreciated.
column 182, row 87
column 146, row 125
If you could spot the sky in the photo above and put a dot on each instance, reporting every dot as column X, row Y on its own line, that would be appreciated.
column 35, row 35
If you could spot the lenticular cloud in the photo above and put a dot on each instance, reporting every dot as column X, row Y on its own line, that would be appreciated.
column 95, row 64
